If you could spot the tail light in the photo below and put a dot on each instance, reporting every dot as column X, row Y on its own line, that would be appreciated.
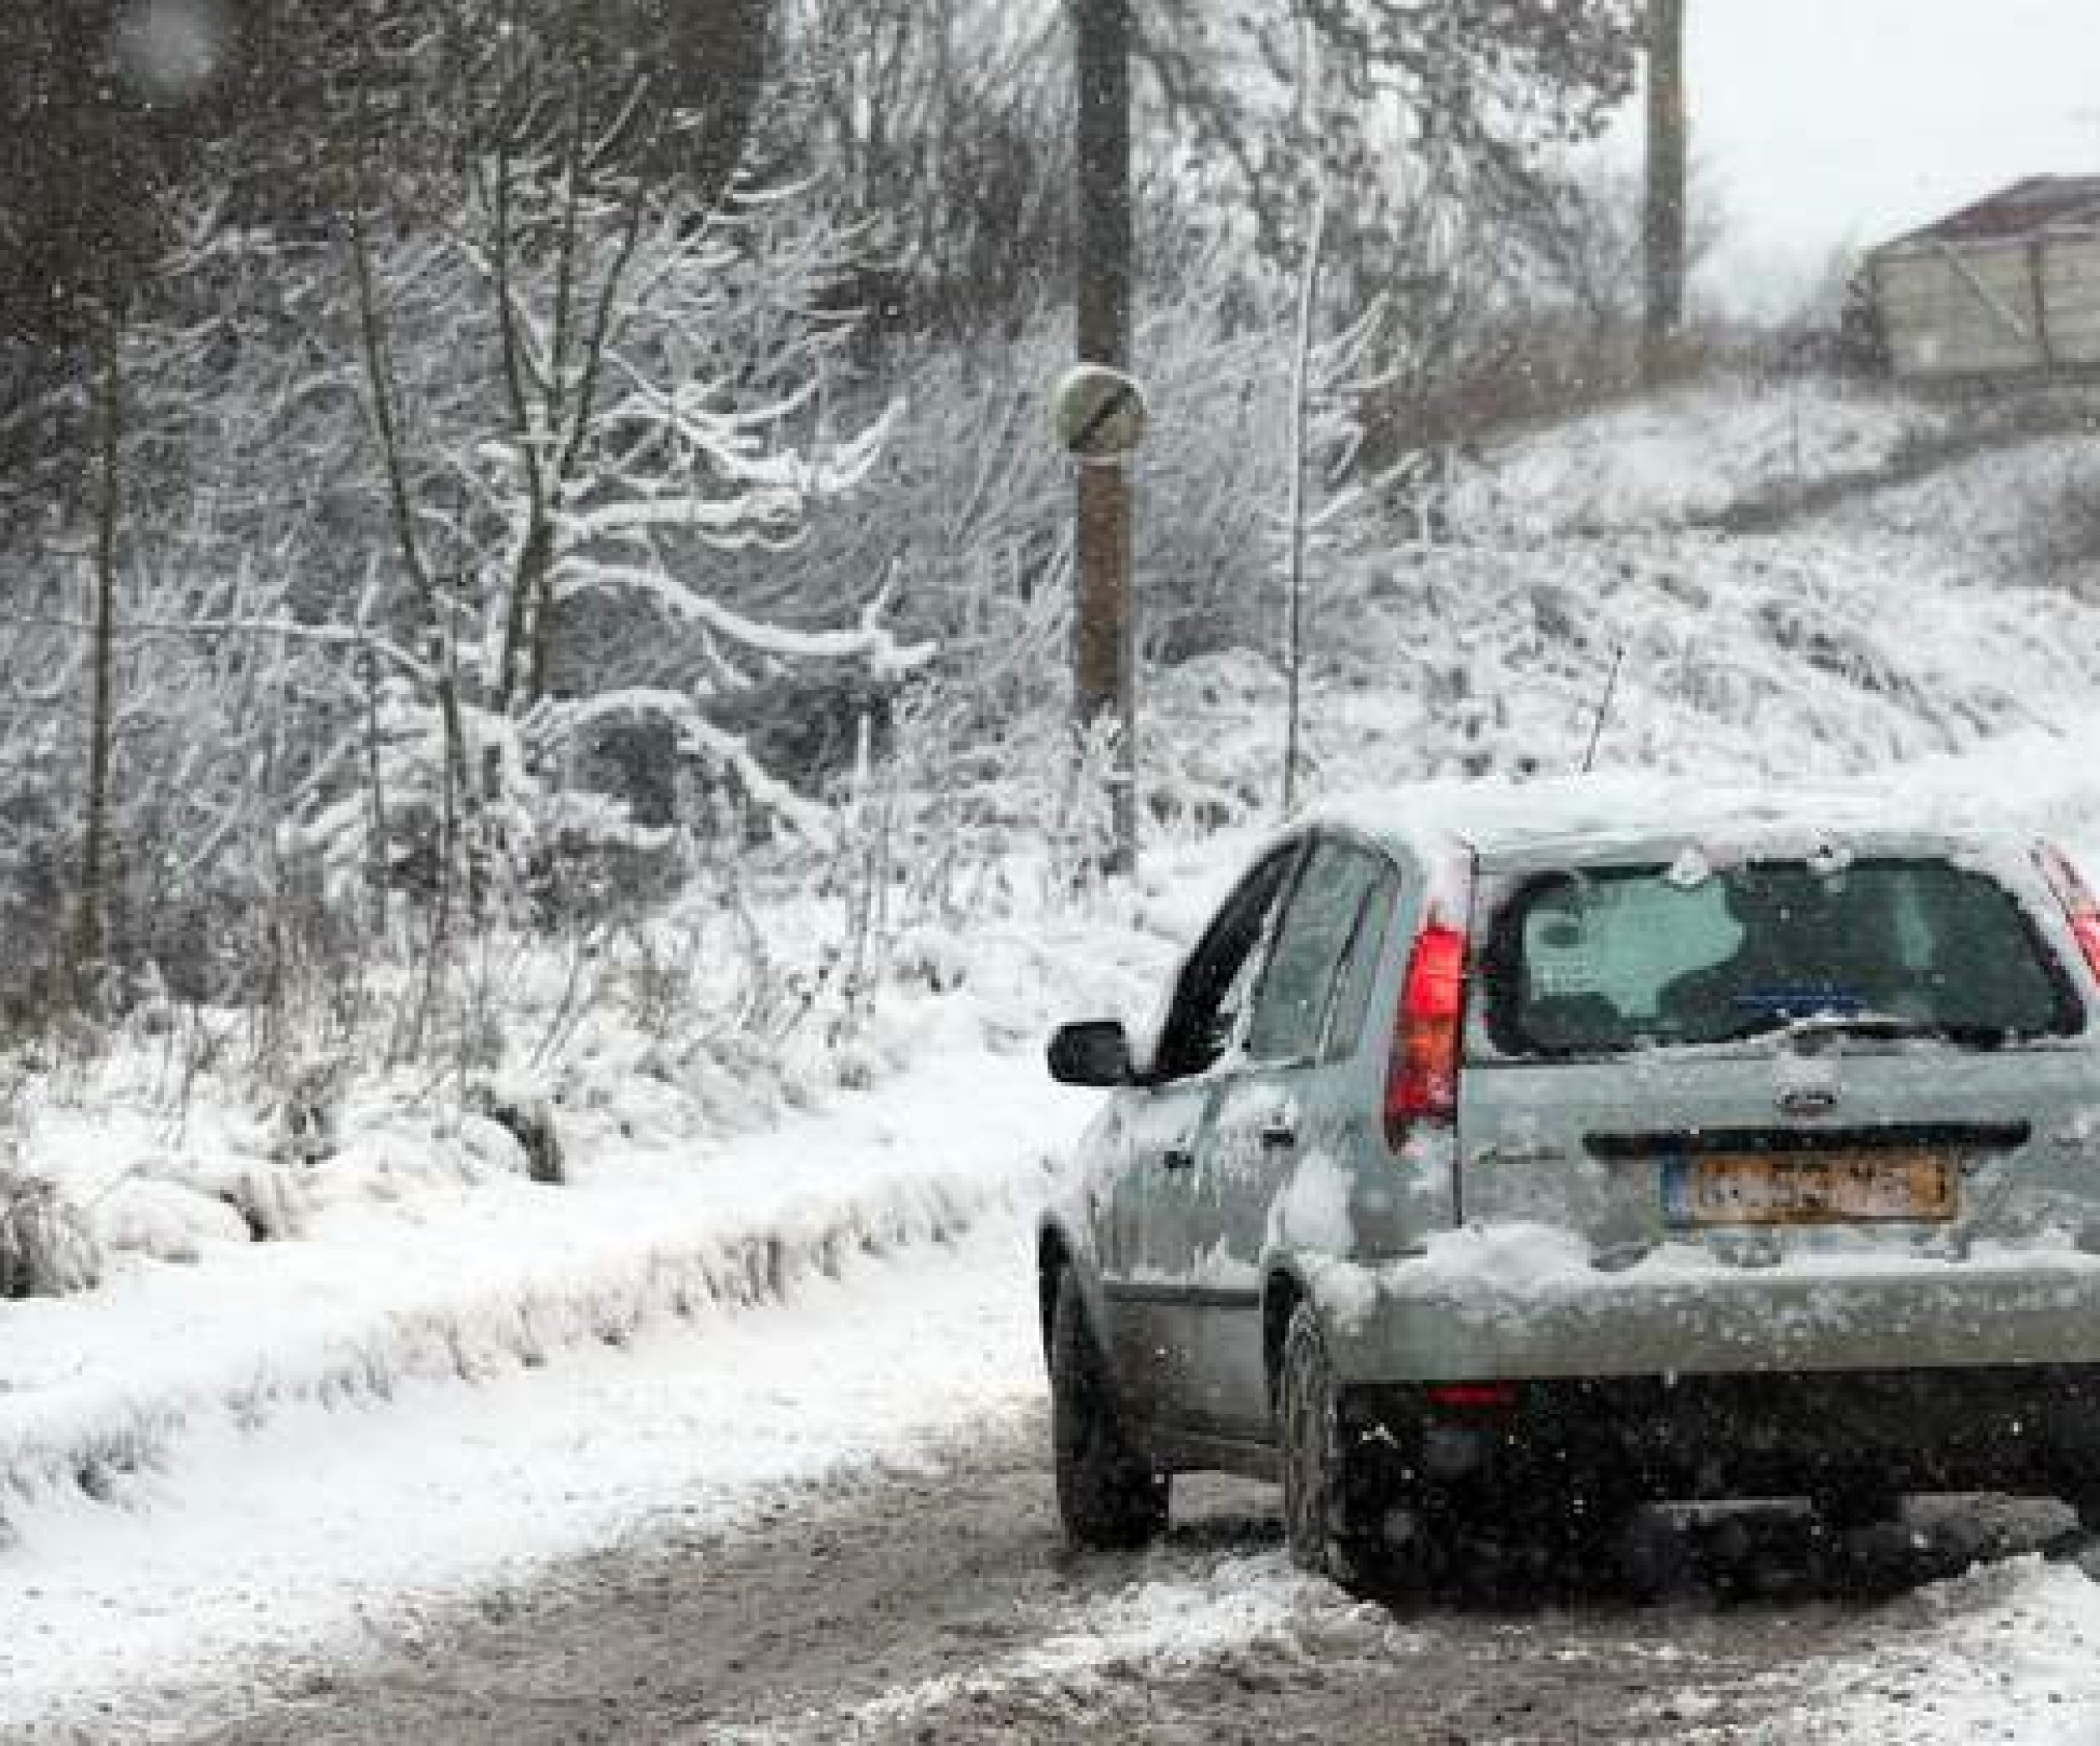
column 2079, row 907
column 1472, row 1396
column 1421, row 1084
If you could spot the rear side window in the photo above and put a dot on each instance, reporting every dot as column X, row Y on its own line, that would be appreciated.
column 1325, row 918
column 1359, row 975
column 1611, row 959
column 1215, row 984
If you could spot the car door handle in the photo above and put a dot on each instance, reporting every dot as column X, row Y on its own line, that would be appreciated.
column 1178, row 1158
column 1279, row 1136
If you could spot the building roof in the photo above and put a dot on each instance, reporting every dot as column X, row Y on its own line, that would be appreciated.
column 2020, row 211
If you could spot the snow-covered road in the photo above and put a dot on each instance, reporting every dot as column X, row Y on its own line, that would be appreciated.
column 931, row 1600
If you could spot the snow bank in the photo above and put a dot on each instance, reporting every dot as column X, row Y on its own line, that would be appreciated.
column 2010, row 1652
column 270, row 1559
column 97, row 1390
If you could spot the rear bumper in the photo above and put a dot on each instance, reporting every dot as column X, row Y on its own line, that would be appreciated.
column 1411, row 1322
column 2033, row 1429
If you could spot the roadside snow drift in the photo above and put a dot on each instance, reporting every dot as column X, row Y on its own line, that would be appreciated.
column 340, row 1532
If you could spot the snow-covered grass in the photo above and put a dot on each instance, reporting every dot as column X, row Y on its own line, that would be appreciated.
column 419, row 1249
column 1810, row 660
column 1691, row 455
column 1934, row 617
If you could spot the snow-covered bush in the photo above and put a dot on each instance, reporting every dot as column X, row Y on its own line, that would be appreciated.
column 168, row 1220
column 269, row 1198
column 524, row 1110
column 587, row 457
column 47, row 1247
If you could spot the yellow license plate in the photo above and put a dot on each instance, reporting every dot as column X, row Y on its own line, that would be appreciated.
column 1883, row 1186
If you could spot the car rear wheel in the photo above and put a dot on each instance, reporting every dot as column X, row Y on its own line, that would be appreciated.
column 1108, row 1496
column 2085, row 1501
column 1334, row 1522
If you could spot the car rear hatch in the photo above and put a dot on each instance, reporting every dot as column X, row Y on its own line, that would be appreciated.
column 1836, row 1106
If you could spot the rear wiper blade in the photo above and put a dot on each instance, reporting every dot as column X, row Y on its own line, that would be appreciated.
column 1892, row 1027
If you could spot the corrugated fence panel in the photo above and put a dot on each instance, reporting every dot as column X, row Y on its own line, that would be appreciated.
column 2071, row 282
column 1946, row 317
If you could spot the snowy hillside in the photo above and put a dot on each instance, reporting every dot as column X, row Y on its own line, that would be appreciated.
column 1923, row 618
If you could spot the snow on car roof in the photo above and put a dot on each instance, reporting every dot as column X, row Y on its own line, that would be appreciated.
column 1597, row 815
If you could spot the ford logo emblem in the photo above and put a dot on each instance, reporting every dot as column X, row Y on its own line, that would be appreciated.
column 1809, row 1100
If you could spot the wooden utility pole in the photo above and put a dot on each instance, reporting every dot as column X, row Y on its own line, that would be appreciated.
column 1663, row 228
column 1104, row 687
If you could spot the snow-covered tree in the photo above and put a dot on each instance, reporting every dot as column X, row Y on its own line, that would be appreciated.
column 1478, row 89
column 585, row 384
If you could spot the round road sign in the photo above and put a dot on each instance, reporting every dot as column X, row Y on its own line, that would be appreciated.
column 1100, row 413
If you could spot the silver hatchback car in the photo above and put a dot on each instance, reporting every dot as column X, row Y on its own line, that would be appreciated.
column 1542, row 1152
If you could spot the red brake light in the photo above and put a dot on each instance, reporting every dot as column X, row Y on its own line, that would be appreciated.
column 2079, row 907
column 1472, row 1396
column 1422, row 1082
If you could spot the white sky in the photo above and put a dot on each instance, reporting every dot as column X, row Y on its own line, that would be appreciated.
column 1827, row 123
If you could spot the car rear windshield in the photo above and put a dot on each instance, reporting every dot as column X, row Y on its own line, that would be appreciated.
column 1606, row 960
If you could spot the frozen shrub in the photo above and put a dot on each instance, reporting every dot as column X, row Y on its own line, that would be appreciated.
column 306, row 1118
column 46, row 1248
column 528, row 1114
column 657, row 979
column 268, row 1200
column 932, row 957
column 32, row 900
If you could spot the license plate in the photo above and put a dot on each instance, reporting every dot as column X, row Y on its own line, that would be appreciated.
column 1895, row 1185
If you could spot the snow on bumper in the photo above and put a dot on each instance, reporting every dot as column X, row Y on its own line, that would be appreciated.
column 1521, row 1305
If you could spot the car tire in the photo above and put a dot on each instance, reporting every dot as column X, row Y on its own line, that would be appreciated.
column 1332, row 1526
column 1110, row 1499
column 2085, row 1503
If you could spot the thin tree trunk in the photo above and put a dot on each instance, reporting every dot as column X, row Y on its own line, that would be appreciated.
column 1105, row 635
column 535, row 548
column 1663, row 228
column 378, row 868
column 1301, row 466
column 90, row 924
column 593, row 361
column 444, row 665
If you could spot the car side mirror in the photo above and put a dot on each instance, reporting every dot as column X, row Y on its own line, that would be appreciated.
column 1096, row 1052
